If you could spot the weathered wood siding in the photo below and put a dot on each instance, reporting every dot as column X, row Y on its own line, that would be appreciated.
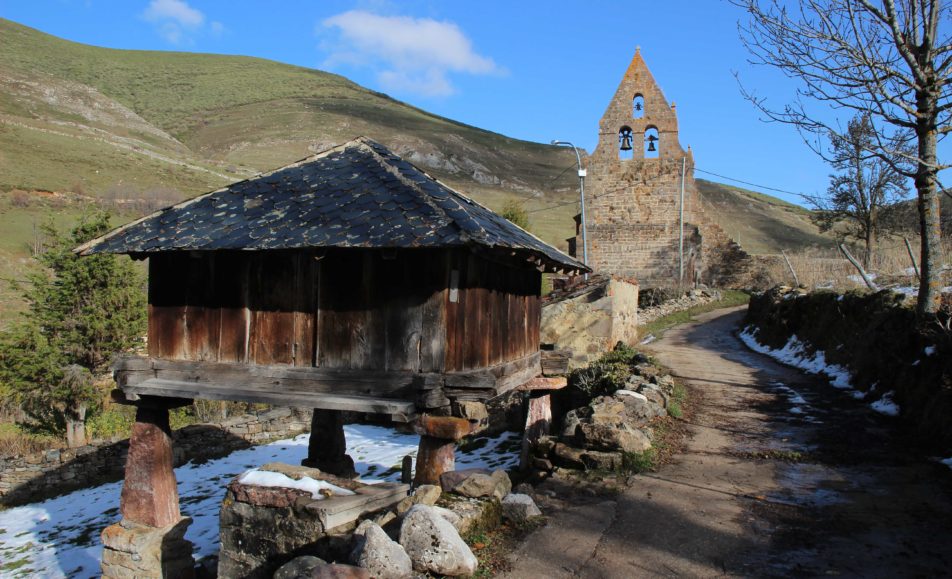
column 350, row 309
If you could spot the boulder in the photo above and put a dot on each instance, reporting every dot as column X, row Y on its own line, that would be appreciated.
column 654, row 394
column 635, row 381
column 598, row 460
column 613, row 438
column 638, row 409
column 380, row 555
column 496, row 485
column 665, row 381
column 338, row 571
column 519, row 508
column 434, row 545
column 568, row 456
column 569, row 424
column 299, row 567
column 608, row 410
column 450, row 516
column 424, row 494
column 474, row 514
column 450, row 479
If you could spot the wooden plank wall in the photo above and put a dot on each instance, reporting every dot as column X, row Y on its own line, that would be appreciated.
column 350, row 309
column 496, row 318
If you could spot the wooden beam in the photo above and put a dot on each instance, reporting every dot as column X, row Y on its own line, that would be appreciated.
column 399, row 410
column 132, row 371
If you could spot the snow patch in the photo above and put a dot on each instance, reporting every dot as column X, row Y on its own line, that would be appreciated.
column 264, row 478
column 886, row 405
column 795, row 354
column 59, row 537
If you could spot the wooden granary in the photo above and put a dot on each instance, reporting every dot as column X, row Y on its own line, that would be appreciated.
column 348, row 281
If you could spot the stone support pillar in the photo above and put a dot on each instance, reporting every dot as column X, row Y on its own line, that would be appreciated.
column 327, row 446
column 149, row 493
column 437, row 452
column 149, row 541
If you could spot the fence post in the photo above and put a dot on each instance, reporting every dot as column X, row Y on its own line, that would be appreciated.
column 912, row 257
column 796, row 280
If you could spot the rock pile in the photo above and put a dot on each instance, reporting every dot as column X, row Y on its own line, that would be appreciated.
column 599, row 434
column 654, row 308
column 419, row 536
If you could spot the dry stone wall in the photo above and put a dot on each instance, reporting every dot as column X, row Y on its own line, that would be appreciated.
column 42, row 475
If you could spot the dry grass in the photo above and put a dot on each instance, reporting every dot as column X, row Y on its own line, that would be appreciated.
column 15, row 442
column 828, row 269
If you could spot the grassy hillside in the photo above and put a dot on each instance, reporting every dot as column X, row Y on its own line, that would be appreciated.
column 760, row 223
column 141, row 128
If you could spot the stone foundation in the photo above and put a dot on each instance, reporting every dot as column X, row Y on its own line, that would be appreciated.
column 134, row 551
column 264, row 527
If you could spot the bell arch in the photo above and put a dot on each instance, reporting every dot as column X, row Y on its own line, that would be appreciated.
column 638, row 106
column 626, row 138
column 652, row 143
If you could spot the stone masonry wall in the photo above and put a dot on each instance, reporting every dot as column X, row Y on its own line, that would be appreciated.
column 590, row 321
column 42, row 475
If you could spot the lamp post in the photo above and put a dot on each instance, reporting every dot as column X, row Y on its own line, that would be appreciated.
column 581, row 187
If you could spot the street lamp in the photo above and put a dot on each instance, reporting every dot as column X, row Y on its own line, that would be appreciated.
column 581, row 187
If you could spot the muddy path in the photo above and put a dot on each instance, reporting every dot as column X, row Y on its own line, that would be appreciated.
column 781, row 476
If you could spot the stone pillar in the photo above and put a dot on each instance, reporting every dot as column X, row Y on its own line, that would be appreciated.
column 327, row 446
column 149, row 493
column 149, row 541
column 437, row 452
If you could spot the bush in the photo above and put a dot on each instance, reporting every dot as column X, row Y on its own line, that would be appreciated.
column 606, row 375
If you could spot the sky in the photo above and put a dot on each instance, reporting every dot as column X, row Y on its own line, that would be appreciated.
column 528, row 69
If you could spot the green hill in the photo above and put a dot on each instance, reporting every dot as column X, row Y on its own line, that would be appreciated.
column 145, row 128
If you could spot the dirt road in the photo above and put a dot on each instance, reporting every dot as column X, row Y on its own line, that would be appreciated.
column 781, row 476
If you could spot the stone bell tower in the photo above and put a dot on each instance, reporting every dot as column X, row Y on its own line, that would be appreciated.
column 639, row 222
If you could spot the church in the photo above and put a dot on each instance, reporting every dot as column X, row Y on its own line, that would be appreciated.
column 644, row 217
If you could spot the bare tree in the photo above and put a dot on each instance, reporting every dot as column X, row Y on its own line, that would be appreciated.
column 889, row 59
column 863, row 187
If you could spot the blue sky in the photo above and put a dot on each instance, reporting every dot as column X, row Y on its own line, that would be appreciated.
column 528, row 69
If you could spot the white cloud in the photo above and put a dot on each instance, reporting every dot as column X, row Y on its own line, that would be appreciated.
column 176, row 21
column 175, row 10
column 409, row 54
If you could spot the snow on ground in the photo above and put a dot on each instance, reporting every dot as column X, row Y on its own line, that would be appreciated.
column 886, row 405
column 795, row 354
column 913, row 291
column 59, row 537
column 798, row 404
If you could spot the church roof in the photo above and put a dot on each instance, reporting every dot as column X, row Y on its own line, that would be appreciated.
column 355, row 195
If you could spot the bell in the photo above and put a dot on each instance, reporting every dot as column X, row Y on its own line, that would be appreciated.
column 651, row 143
column 638, row 106
column 626, row 141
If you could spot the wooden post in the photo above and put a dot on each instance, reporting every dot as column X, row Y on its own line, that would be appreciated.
column 859, row 268
column 796, row 280
column 437, row 452
column 912, row 256
column 434, row 457
column 538, row 422
column 327, row 446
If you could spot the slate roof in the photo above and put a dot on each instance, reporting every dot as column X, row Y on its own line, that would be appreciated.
column 358, row 194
